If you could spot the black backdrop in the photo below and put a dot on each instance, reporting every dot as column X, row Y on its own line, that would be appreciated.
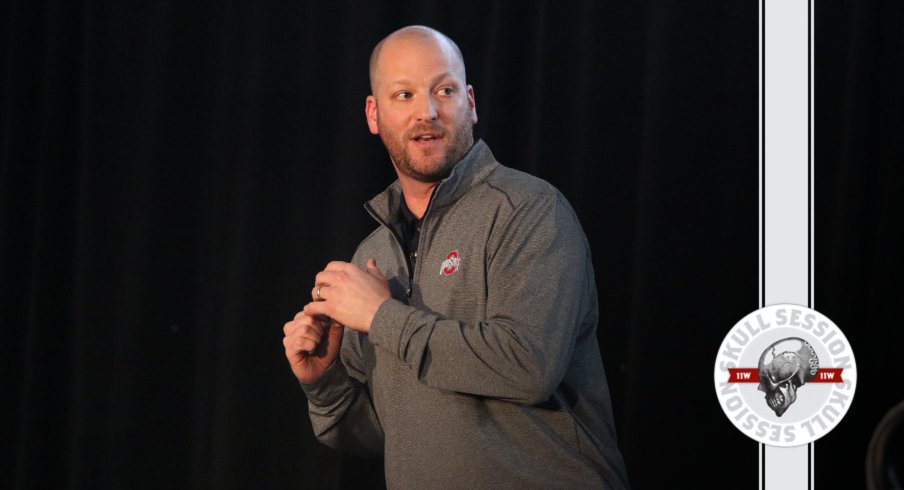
column 173, row 174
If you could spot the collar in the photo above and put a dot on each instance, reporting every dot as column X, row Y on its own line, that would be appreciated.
column 472, row 169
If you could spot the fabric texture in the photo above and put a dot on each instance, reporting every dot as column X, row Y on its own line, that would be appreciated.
column 485, row 370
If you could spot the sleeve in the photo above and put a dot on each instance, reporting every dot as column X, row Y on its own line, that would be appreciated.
column 340, row 406
column 539, row 277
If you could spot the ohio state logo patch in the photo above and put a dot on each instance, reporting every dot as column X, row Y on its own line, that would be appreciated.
column 785, row 375
column 450, row 265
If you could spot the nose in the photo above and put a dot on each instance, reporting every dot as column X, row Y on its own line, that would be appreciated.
column 426, row 110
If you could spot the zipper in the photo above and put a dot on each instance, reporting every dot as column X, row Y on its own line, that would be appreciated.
column 420, row 243
column 398, row 239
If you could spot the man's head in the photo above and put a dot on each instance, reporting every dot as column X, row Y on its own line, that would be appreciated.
column 421, row 105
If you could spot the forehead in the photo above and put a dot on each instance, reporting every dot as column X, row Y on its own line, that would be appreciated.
column 415, row 58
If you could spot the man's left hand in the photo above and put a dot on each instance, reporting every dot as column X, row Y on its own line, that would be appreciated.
column 349, row 294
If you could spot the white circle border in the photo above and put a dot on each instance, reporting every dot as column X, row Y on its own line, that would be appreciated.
column 770, row 430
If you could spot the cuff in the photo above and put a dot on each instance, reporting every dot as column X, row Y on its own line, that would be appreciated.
column 388, row 324
column 334, row 382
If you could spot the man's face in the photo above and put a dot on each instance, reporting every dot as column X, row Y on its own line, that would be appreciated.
column 421, row 107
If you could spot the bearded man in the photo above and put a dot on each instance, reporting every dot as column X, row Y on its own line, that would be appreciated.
column 460, row 341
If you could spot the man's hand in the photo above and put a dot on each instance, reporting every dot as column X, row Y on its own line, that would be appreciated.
column 311, row 343
column 349, row 294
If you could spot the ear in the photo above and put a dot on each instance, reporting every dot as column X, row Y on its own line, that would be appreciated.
column 472, row 104
column 370, row 111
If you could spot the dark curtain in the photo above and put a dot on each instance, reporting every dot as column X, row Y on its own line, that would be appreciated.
column 173, row 174
column 859, row 191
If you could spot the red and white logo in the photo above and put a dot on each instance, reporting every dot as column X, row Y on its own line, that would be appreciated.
column 450, row 265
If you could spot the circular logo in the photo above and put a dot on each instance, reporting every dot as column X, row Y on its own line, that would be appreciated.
column 785, row 375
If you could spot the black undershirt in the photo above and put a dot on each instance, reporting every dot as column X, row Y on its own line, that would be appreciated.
column 409, row 229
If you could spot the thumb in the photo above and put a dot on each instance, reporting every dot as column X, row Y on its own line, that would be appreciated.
column 372, row 268
column 336, row 329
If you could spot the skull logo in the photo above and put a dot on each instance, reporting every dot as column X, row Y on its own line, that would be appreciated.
column 784, row 367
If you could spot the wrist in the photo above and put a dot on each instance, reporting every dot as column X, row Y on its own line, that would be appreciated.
column 369, row 320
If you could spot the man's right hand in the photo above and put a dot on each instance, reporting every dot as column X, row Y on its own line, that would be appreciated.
column 311, row 345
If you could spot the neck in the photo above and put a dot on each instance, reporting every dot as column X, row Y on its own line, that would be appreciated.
column 417, row 194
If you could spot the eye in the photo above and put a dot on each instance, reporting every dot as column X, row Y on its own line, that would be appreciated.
column 403, row 95
column 446, row 91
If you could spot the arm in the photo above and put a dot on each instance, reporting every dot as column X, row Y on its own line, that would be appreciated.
column 339, row 405
column 342, row 415
column 539, row 298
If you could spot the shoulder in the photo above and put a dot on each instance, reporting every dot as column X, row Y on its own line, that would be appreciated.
column 519, row 187
column 523, row 191
column 528, row 206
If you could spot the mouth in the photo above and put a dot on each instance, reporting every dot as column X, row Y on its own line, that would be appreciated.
column 426, row 136
column 775, row 401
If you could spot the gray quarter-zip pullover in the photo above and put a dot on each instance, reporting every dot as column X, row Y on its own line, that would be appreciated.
column 483, row 370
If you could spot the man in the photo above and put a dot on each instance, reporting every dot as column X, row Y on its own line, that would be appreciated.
column 467, row 320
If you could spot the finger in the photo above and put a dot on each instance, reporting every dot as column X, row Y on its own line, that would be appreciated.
column 337, row 266
column 299, row 346
column 304, row 335
column 328, row 278
column 318, row 308
column 309, row 323
column 311, row 334
column 319, row 291
column 302, row 321
column 324, row 322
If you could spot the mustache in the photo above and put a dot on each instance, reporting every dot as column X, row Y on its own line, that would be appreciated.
column 425, row 128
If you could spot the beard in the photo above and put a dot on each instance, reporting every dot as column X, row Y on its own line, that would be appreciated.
column 434, row 166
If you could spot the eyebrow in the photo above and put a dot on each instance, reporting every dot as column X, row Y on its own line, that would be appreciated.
column 435, row 80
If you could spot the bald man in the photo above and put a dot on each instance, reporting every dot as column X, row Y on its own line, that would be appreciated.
column 460, row 341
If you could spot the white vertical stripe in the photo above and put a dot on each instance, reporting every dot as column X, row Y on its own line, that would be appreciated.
column 811, row 204
column 785, row 212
